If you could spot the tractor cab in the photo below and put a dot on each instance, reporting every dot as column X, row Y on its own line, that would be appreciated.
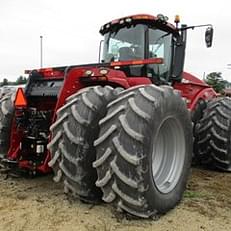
column 144, row 40
column 142, row 37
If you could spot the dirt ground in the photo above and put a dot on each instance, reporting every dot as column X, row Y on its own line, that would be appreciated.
column 39, row 204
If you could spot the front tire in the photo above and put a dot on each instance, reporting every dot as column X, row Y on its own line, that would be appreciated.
column 143, row 166
column 196, row 116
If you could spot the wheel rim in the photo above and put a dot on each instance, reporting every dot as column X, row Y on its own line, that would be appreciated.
column 168, row 155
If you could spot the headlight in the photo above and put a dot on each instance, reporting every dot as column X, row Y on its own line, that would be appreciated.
column 128, row 20
column 103, row 71
column 88, row 72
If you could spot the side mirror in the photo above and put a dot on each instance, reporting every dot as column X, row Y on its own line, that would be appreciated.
column 209, row 36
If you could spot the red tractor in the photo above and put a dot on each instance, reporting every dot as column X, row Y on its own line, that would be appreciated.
column 120, row 130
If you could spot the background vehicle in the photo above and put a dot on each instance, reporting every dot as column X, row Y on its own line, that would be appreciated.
column 119, row 130
column 9, row 88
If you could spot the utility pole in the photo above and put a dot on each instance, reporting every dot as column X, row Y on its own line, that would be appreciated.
column 204, row 76
column 41, row 51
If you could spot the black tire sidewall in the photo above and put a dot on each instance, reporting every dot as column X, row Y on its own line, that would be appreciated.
column 160, row 201
column 6, row 122
column 197, row 113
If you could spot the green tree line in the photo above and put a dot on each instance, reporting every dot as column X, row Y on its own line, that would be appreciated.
column 216, row 81
column 19, row 80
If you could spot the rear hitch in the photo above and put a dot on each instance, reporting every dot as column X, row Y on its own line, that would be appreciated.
column 10, row 168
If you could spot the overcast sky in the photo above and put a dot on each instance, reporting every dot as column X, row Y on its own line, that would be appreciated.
column 70, row 31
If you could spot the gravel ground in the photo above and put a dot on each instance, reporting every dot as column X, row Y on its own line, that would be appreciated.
column 39, row 204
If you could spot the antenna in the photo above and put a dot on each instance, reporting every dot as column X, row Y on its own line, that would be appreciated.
column 41, row 51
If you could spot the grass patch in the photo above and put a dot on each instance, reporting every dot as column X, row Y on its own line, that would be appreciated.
column 192, row 194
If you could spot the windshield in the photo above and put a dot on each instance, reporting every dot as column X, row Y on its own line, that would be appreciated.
column 140, row 42
column 160, row 46
column 124, row 44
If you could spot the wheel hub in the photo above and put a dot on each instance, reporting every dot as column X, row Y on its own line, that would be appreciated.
column 168, row 155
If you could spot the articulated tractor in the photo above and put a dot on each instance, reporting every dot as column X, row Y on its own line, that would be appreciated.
column 122, row 130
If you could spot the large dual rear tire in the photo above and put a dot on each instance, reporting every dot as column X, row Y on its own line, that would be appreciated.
column 143, row 139
column 71, row 144
column 144, row 150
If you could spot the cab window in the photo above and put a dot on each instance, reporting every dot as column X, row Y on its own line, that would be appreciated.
column 160, row 47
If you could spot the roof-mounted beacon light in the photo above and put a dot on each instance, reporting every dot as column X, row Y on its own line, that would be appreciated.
column 177, row 20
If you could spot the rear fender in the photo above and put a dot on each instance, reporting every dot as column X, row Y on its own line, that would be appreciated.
column 193, row 92
column 76, row 80
column 205, row 94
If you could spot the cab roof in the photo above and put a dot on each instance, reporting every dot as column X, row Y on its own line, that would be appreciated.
column 147, row 19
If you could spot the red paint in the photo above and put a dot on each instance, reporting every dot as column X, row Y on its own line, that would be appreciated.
column 138, row 62
column 139, row 17
column 194, row 89
column 191, row 88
